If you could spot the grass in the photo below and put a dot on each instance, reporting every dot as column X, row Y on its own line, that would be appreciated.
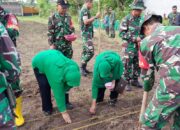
column 34, row 18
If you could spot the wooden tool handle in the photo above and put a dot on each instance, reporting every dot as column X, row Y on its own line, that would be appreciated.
column 144, row 104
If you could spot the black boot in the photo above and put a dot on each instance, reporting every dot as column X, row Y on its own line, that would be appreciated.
column 69, row 106
column 112, row 102
column 83, row 69
column 136, row 84
column 87, row 71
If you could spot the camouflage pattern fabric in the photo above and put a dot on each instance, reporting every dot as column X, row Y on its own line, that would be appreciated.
column 58, row 27
column 161, row 50
column 129, row 31
column 112, row 19
column 87, row 35
column 9, row 71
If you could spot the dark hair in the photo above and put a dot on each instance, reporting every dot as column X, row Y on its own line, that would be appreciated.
column 175, row 6
column 153, row 19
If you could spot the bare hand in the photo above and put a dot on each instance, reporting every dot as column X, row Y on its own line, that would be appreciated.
column 66, row 117
column 92, row 110
column 52, row 46
column 98, row 15
column 138, row 39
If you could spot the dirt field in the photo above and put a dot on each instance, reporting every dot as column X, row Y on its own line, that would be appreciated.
column 124, row 116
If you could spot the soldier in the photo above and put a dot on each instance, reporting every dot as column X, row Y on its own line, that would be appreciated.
column 112, row 20
column 160, row 51
column 58, row 73
column 87, row 34
column 59, row 26
column 9, row 72
column 173, row 16
column 11, row 23
column 129, row 32
column 108, row 70
column 106, row 21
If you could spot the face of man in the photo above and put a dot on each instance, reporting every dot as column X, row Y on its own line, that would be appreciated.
column 110, row 10
column 61, row 9
column 89, row 5
column 136, row 12
column 174, row 10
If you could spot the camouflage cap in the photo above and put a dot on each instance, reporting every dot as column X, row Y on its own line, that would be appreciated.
column 63, row 3
column 147, row 17
column 138, row 4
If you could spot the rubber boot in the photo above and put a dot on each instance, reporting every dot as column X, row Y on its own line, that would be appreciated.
column 83, row 69
column 19, row 120
column 69, row 106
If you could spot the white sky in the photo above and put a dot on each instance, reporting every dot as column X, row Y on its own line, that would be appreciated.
column 161, row 6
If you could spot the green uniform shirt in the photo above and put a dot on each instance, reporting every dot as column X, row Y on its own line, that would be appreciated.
column 108, row 67
column 61, row 72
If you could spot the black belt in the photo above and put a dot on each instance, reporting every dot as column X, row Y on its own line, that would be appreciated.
column 2, row 95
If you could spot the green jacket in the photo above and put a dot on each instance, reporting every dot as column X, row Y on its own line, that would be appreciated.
column 108, row 67
column 61, row 72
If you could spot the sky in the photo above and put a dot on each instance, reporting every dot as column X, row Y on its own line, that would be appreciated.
column 161, row 6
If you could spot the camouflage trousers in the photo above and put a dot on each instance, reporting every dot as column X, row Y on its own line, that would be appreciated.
column 88, row 49
column 164, row 105
column 66, row 49
column 111, row 31
column 6, row 118
column 131, row 64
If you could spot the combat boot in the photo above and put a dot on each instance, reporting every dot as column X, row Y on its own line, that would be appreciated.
column 83, row 69
column 136, row 84
column 87, row 71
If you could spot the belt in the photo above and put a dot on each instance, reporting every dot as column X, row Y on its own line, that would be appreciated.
column 2, row 95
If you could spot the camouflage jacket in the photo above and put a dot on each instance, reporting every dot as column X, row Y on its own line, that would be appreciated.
column 173, row 18
column 9, row 68
column 130, row 30
column 10, row 21
column 161, row 50
column 58, row 27
column 85, row 14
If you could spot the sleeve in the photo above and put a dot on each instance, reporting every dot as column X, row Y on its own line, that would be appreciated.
column 148, row 75
column 84, row 15
column 123, row 30
column 94, row 91
column 3, row 82
column 51, row 31
column 59, row 95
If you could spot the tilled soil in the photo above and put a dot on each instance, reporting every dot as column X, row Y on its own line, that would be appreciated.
column 33, row 38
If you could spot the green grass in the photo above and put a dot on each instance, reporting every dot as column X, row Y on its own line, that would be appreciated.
column 34, row 18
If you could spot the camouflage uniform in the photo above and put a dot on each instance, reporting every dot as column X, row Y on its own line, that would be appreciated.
column 13, row 34
column 161, row 50
column 173, row 18
column 58, row 27
column 129, row 31
column 87, row 35
column 9, row 72
column 112, row 19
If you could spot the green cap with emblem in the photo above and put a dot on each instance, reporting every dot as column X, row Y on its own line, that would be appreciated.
column 138, row 4
column 63, row 3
